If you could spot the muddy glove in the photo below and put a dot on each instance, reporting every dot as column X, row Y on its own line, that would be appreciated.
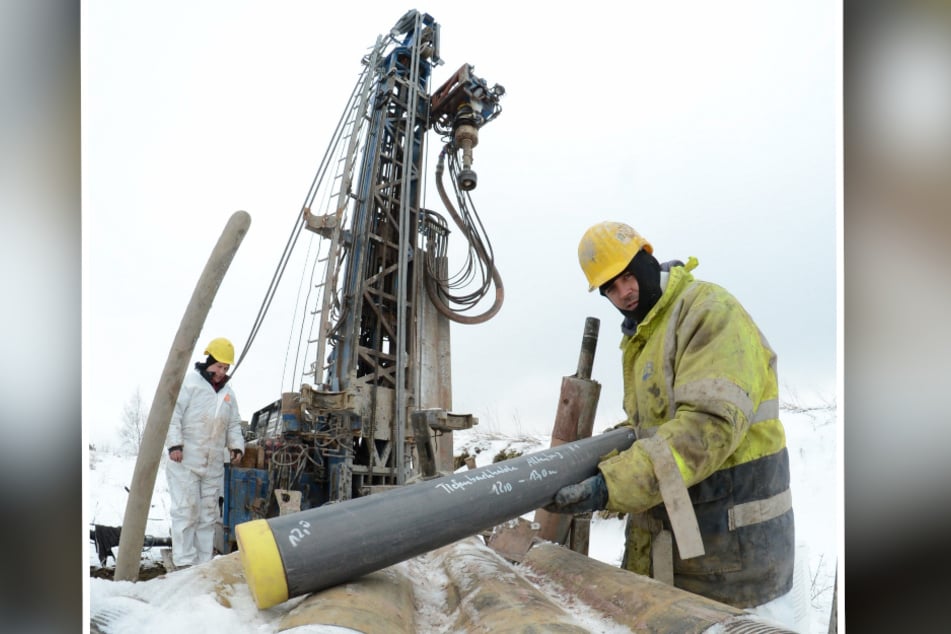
column 587, row 495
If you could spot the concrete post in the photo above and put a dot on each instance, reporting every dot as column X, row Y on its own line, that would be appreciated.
column 156, row 427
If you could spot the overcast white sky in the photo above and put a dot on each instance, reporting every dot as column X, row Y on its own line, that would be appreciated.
column 710, row 127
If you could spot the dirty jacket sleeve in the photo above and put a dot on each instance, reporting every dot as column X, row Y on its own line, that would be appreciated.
column 695, row 373
column 175, row 437
column 235, row 439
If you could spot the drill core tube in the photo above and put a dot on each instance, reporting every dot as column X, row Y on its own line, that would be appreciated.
column 291, row 555
column 589, row 343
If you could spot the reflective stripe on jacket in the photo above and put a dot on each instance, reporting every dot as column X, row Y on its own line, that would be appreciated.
column 699, row 375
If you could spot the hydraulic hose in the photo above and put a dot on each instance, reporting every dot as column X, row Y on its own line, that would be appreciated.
column 433, row 288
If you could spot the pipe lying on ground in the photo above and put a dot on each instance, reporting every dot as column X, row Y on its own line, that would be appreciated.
column 291, row 555
column 636, row 601
column 378, row 603
column 486, row 596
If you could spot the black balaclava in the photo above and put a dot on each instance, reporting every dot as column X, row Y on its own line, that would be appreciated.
column 646, row 269
column 202, row 367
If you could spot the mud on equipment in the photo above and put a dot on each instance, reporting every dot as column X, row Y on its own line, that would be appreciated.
column 291, row 555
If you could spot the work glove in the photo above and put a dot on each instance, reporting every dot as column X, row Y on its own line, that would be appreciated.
column 587, row 495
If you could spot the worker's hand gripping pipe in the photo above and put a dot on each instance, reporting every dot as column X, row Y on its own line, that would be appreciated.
column 291, row 555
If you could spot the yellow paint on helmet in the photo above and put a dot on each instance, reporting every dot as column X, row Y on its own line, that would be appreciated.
column 221, row 349
column 606, row 249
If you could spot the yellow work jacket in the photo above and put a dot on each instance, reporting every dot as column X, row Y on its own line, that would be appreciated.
column 700, row 375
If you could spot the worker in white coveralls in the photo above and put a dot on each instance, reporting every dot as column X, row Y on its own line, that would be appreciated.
column 205, row 422
column 710, row 465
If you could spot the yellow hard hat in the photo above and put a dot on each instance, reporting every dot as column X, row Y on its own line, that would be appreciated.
column 606, row 249
column 221, row 349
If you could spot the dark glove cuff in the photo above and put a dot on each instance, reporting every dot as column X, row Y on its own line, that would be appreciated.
column 175, row 448
column 601, row 494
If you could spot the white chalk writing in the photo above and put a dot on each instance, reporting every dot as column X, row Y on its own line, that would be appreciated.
column 501, row 487
column 538, row 459
column 462, row 482
column 537, row 474
column 297, row 533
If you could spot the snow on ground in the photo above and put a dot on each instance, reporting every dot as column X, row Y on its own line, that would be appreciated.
column 811, row 436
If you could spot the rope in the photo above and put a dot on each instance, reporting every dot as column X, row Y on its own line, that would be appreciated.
column 299, row 223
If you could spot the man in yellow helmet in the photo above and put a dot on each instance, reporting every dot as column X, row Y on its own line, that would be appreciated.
column 709, row 466
column 205, row 421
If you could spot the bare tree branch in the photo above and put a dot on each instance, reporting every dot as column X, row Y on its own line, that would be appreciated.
column 134, row 416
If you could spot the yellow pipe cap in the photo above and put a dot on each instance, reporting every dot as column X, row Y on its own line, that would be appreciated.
column 263, row 566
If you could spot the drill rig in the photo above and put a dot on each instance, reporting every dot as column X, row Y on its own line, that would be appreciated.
column 366, row 402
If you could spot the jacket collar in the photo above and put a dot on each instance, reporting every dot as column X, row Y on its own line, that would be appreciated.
column 674, row 278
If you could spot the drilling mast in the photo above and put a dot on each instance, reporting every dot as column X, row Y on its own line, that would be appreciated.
column 366, row 403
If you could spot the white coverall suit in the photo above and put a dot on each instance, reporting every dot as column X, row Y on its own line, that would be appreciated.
column 205, row 424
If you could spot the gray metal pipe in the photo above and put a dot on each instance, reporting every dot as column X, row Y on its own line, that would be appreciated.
column 589, row 343
column 637, row 601
column 291, row 555
column 166, row 393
